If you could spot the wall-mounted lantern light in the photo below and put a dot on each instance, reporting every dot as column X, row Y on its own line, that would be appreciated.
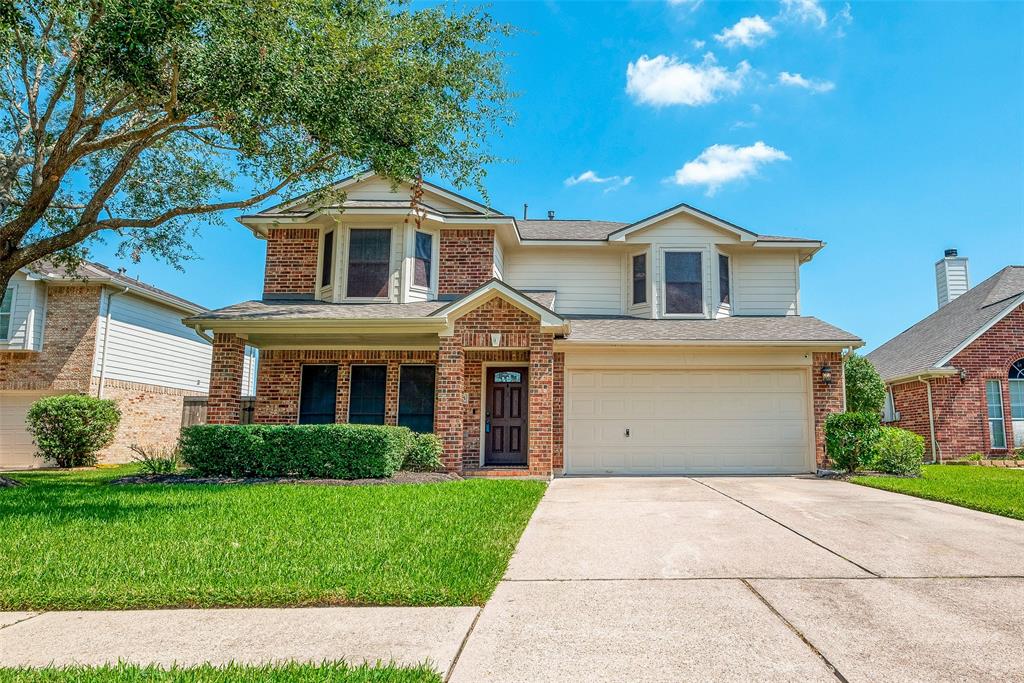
column 963, row 374
column 826, row 374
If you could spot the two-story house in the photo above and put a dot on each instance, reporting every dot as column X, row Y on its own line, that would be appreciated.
column 99, row 332
column 673, row 344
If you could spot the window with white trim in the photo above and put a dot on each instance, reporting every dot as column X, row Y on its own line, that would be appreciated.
column 423, row 261
column 327, row 260
column 369, row 263
column 6, row 308
column 639, row 279
column 684, row 283
column 996, row 426
column 723, row 279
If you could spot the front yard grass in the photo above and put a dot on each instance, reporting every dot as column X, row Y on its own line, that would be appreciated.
column 989, row 489
column 333, row 672
column 71, row 540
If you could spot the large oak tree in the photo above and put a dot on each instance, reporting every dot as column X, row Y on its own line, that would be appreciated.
column 137, row 120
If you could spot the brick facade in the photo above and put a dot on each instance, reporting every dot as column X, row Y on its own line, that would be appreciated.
column 467, row 260
column 226, row 367
column 959, row 406
column 291, row 262
column 827, row 398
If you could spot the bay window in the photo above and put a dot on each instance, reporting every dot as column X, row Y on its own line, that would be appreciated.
column 369, row 263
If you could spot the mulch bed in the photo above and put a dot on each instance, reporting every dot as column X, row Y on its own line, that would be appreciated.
column 402, row 477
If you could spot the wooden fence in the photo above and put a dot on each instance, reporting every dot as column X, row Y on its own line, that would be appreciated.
column 193, row 410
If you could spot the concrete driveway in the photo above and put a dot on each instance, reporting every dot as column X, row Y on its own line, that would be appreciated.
column 752, row 578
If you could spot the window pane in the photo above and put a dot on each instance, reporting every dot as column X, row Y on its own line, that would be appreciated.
column 319, row 394
column 1017, row 399
column 508, row 376
column 5, row 313
column 328, row 262
column 684, row 290
column 640, row 279
column 424, row 254
column 416, row 398
column 723, row 278
column 369, row 263
column 997, row 429
column 366, row 395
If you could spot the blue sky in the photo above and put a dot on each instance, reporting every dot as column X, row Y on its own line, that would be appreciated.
column 889, row 130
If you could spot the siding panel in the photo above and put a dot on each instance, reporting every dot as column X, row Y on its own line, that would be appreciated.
column 587, row 281
column 766, row 284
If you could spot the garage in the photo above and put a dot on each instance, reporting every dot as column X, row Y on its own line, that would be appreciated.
column 16, row 447
column 671, row 421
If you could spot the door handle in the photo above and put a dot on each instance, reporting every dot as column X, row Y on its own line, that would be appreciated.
column 627, row 431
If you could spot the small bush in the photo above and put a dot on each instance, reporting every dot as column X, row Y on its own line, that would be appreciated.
column 155, row 460
column 71, row 429
column 865, row 390
column 328, row 451
column 974, row 457
column 851, row 439
column 899, row 451
column 425, row 454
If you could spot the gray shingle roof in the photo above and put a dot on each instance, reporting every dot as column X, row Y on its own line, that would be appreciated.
column 922, row 346
column 92, row 271
column 566, row 229
column 790, row 328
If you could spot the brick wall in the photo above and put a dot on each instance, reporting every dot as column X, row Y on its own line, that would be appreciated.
column 226, row 366
column 960, row 406
column 828, row 399
column 466, row 260
column 291, row 261
column 474, row 369
column 69, row 344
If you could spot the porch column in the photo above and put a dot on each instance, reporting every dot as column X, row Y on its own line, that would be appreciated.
column 449, row 408
column 391, row 393
column 541, row 403
column 224, row 404
column 828, row 398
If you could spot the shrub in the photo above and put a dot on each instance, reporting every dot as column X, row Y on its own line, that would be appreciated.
column 329, row 451
column 865, row 390
column 71, row 429
column 973, row 457
column 155, row 460
column 898, row 451
column 851, row 438
column 425, row 454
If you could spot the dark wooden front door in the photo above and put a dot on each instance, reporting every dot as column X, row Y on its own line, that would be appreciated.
column 506, row 418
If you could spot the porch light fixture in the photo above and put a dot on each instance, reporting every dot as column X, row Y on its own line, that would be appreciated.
column 495, row 338
column 826, row 374
column 963, row 374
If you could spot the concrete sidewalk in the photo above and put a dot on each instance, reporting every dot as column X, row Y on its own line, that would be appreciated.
column 405, row 635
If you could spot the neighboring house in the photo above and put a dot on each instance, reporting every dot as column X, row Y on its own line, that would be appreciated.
column 674, row 344
column 957, row 377
column 97, row 332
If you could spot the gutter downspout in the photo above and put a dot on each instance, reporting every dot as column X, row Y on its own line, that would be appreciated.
column 106, row 340
column 931, row 421
column 202, row 333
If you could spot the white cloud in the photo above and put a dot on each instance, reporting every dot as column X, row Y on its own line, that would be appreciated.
column 805, row 11
column 664, row 80
column 748, row 31
column 688, row 4
column 698, row 44
column 614, row 182
column 721, row 164
column 812, row 84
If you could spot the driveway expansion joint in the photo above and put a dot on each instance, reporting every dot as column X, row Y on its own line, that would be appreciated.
column 462, row 645
column 831, row 667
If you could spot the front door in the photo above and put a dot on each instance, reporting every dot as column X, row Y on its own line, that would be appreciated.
column 505, row 419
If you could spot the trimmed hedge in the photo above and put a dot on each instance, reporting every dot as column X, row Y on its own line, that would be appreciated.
column 329, row 451
column 425, row 454
column 851, row 439
column 899, row 451
column 71, row 429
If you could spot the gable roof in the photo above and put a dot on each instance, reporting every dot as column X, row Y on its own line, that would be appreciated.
column 930, row 344
column 90, row 271
column 497, row 288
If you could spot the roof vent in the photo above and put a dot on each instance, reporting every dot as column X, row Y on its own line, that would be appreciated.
column 951, row 277
column 526, row 207
column 551, row 215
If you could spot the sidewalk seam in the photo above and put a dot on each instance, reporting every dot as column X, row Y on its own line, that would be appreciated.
column 22, row 621
column 832, row 667
column 462, row 645
column 788, row 528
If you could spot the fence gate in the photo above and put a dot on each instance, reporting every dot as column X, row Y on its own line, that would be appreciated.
column 193, row 410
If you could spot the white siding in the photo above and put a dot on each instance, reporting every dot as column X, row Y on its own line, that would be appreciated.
column 249, row 370
column 766, row 283
column 148, row 344
column 588, row 281
column 499, row 259
column 27, row 315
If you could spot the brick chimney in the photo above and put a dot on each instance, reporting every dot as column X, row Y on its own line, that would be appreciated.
column 951, row 277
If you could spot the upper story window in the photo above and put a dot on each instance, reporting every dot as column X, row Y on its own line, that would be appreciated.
column 684, row 283
column 423, row 263
column 6, row 306
column 327, row 262
column 640, row 279
column 723, row 279
column 369, row 263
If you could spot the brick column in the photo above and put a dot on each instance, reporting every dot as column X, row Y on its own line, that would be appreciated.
column 828, row 398
column 224, row 404
column 391, row 393
column 449, row 409
column 541, row 402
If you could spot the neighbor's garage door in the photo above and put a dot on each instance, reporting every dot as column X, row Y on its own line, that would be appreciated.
column 687, row 421
column 16, row 447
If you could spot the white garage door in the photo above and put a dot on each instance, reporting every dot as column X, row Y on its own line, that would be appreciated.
column 687, row 421
column 16, row 447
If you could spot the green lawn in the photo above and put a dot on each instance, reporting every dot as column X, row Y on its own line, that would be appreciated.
column 71, row 540
column 280, row 673
column 989, row 489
